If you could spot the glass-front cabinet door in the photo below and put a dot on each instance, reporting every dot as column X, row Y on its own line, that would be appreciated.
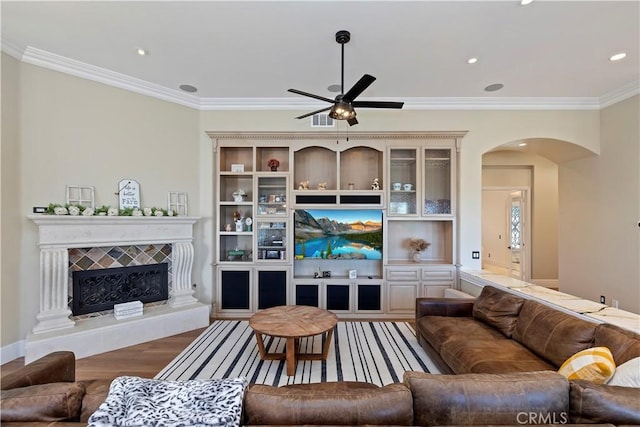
column 272, row 239
column 437, row 181
column 403, row 166
column 272, row 195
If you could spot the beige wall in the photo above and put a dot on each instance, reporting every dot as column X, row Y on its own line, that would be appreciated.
column 10, row 213
column 544, row 204
column 74, row 131
column 599, row 213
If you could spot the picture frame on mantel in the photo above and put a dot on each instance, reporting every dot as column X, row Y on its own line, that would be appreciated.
column 128, row 193
column 177, row 202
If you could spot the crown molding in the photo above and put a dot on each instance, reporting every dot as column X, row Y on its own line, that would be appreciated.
column 66, row 65
column 11, row 49
column 442, row 103
column 330, row 135
column 620, row 94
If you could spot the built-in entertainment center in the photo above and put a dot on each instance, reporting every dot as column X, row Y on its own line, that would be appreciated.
column 318, row 219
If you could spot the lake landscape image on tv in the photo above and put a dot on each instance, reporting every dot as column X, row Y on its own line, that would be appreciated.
column 338, row 234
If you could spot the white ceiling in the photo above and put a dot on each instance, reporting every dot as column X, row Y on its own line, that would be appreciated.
column 240, row 52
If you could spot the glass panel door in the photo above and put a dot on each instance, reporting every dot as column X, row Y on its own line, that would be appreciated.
column 516, row 228
column 272, row 195
column 402, row 186
column 272, row 240
column 437, row 182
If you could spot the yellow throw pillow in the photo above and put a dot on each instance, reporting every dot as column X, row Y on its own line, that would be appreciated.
column 593, row 364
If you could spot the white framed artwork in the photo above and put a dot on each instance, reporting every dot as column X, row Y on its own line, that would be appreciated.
column 177, row 202
column 83, row 195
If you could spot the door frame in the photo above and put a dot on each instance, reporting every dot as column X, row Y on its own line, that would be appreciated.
column 526, row 238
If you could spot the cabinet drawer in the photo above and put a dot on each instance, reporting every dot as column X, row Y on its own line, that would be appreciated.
column 403, row 274
column 429, row 274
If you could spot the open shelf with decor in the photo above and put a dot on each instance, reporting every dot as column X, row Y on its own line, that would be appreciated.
column 370, row 163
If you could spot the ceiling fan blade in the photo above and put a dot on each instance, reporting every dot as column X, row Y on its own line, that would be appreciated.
column 377, row 104
column 310, row 95
column 364, row 82
column 313, row 113
column 352, row 121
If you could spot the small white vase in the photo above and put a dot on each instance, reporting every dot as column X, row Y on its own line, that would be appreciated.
column 416, row 256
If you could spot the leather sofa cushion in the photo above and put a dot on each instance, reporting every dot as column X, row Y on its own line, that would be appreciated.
column 472, row 399
column 599, row 403
column 56, row 367
column 623, row 344
column 96, row 393
column 42, row 402
column 439, row 329
column 552, row 334
column 490, row 356
column 337, row 403
column 498, row 309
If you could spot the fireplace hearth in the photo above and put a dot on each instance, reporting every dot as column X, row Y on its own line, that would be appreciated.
column 97, row 290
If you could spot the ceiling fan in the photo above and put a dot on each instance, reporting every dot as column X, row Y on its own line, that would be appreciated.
column 344, row 104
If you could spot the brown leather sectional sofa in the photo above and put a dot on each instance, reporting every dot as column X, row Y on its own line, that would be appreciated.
column 516, row 385
column 44, row 393
column 500, row 332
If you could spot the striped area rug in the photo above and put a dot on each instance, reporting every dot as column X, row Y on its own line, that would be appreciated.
column 375, row 352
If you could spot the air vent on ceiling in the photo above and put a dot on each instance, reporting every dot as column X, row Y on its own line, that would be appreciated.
column 321, row 121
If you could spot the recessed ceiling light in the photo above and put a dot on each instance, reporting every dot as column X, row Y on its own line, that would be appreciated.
column 618, row 56
column 525, row 2
column 334, row 88
column 472, row 60
column 493, row 87
column 188, row 88
column 522, row 144
column 142, row 52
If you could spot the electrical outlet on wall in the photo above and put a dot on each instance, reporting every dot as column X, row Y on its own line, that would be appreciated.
column 475, row 255
column 602, row 299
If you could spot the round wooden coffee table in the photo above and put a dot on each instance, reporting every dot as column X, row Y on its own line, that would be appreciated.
column 293, row 322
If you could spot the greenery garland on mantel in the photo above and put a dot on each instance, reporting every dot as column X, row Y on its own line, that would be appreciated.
column 79, row 210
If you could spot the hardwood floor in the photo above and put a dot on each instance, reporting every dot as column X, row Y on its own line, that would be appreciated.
column 142, row 360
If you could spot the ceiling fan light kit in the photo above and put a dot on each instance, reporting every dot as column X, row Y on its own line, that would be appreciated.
column 344, row 104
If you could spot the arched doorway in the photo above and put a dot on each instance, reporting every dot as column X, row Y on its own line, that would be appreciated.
column 520, row 206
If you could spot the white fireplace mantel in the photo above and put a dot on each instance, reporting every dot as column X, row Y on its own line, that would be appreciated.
column 66, row 231
column 58, row 233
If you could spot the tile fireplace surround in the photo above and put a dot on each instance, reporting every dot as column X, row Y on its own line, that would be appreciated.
column 56, row 330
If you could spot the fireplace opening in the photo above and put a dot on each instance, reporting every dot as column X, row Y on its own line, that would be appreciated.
column 98, row 290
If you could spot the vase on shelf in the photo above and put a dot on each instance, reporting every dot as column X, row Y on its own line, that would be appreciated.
column 273, row 164
column 416, row 256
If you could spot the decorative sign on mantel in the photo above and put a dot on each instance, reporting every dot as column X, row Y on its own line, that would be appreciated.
column 129, row 194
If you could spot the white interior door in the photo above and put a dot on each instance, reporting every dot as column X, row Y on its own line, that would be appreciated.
column 516, row 219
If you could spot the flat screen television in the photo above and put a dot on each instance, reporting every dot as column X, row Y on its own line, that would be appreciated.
column 353, row 234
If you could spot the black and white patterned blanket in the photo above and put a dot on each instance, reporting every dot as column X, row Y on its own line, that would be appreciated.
column 134, row 401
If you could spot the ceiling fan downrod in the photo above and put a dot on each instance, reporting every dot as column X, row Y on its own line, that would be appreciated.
column 342, row 37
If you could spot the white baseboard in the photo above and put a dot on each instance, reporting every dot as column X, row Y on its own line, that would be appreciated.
column 12, row 351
